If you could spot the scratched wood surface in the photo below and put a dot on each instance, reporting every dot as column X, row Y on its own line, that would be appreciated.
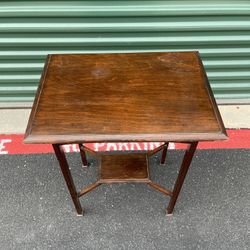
column 124, row 97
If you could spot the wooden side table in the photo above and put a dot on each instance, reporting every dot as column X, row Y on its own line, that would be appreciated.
column 137, row 97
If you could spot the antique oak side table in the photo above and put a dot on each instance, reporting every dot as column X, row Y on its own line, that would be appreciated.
column 137, row 97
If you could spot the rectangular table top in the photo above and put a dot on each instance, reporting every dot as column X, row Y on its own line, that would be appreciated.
column 124, row 97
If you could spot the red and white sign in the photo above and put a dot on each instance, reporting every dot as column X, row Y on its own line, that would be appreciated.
column 13, row 144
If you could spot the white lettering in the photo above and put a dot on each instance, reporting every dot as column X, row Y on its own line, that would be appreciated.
column 111, row 145
column 115, row 146
column 70, row 148
column 97, row 146
column 2, row 142
column 123, row 146
column 171, row 145
column 145, row 144
column 153, row 145
column 134, row 145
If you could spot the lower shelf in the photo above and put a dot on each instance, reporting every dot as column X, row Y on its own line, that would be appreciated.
column 124, row 168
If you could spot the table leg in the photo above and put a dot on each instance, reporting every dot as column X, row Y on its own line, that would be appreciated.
column 67, row 176
column 164, row 153
column 181, row 176
column 83, row 155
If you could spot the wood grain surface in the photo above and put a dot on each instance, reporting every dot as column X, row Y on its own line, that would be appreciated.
column 124, row 168
column 124, row 97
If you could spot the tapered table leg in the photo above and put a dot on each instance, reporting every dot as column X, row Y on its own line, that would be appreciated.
column 164, row 153
column 181, row 176
column 67, row 176
column 83, row 155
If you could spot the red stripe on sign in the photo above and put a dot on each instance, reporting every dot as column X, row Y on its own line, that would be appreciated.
column 13, row 144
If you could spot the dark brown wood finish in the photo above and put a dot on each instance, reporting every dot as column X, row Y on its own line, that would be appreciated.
column 124, row 97
column 181, row 176
column 83, row 156
column 212, row 99
column 89, row 188
column 67, row 176
column 37, row 97
column 164, row 153
column 160, row 188
column 124, row 168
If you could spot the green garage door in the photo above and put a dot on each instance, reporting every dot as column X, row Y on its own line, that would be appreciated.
column 29, row 30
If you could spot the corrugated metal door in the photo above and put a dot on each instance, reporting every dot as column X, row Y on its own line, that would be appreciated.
column 29, row 30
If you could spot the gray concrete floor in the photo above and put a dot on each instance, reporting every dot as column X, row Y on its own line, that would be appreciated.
column 213, row 210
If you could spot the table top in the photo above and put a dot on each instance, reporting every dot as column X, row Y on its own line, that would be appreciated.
column 124, row 97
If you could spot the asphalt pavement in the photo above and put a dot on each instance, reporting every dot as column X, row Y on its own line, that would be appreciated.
column 212, row 212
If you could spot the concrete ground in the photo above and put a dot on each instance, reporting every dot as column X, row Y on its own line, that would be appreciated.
column 14, row 121
column 213, row 210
